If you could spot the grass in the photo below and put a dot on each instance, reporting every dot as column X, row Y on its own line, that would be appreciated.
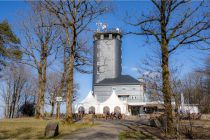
column 132, row 135
column 30, row 128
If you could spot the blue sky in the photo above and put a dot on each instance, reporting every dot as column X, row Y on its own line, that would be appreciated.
column 134, row 48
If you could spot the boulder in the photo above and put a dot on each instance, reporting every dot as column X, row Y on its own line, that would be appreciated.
column 205, row 117
column 88, row 119
column 154, row 123
column 51, row 130
column 163, row 120
column 159, row 122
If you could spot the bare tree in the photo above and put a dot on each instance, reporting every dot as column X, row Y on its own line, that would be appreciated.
column 207, row 73
column 15, row 78
column 53, row 87
column 41, row 39
column 174, row 24
column 195, row 87
column 150, row 70
column 74, row 17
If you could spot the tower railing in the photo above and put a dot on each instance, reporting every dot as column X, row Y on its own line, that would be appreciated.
column 110, row 30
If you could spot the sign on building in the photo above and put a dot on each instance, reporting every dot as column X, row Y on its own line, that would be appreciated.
column 59, row 99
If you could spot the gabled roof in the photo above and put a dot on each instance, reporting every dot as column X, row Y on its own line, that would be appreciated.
column 113, row 100
column 121, row 80
column 90, row 99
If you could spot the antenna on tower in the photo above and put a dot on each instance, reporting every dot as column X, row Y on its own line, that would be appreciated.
column 104, row 26
column 101, row 26
column 98, row 24
column 118, row 29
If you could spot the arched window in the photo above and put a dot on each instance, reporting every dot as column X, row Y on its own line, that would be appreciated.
column 91, row 110
column 106, row 110
column 81, row 110
column 117, row 109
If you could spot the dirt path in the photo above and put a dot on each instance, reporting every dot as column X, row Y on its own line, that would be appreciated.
column 106, row 130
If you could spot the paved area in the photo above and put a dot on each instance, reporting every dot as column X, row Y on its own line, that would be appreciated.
column 110, row 129
column 106, row 130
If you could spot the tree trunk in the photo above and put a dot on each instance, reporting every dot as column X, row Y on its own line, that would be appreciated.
column 39, row 93
column 166, row 89
column 70, row 83
column 69, row 90
column 7, row 107
column 63, row 79
column 43, row 85
column 58, row 110
column 52, row 109
column 14, row 98
column 165, row 71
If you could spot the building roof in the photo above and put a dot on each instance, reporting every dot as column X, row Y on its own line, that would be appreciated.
column 112, row 100
column 121, row 80
column 90, row 99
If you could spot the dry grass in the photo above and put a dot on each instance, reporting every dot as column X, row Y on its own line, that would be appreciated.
column 199, row 129
column 198, row 122
column 133, row 135
column 30, row 128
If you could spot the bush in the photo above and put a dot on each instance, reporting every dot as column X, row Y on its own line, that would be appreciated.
column 27, row 109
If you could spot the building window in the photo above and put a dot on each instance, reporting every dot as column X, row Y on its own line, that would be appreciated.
column 98, row 63
column 113, row 88
column 133, row 97
column 98, row 69
column 106, row 36
column 123, row 88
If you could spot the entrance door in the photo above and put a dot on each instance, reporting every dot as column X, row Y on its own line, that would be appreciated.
column 135, row 110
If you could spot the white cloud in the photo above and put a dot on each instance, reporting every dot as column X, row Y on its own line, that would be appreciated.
column 134, row 69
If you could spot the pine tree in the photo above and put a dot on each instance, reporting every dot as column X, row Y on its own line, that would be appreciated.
column 9, row 44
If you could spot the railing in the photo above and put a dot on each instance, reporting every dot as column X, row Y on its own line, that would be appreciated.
column 112, row 30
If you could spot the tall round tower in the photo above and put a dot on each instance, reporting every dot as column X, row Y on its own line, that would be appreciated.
column 107, row 55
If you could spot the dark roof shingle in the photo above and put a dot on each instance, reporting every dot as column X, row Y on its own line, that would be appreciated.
column 121, row 80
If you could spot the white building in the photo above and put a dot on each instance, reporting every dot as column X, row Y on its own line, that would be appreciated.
column 113, row 91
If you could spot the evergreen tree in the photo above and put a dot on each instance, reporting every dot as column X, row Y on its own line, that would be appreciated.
column 9, row 44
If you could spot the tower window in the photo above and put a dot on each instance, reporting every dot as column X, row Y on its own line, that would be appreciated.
column 114, row 36
column 106, row 36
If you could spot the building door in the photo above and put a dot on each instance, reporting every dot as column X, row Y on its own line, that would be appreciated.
column 135, row 110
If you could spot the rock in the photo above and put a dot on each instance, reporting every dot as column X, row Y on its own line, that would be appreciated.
column 51, row 130
column 159, row 122
column 205, row 117
column 152, row 123
column 88, row 119
column 162, row 119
